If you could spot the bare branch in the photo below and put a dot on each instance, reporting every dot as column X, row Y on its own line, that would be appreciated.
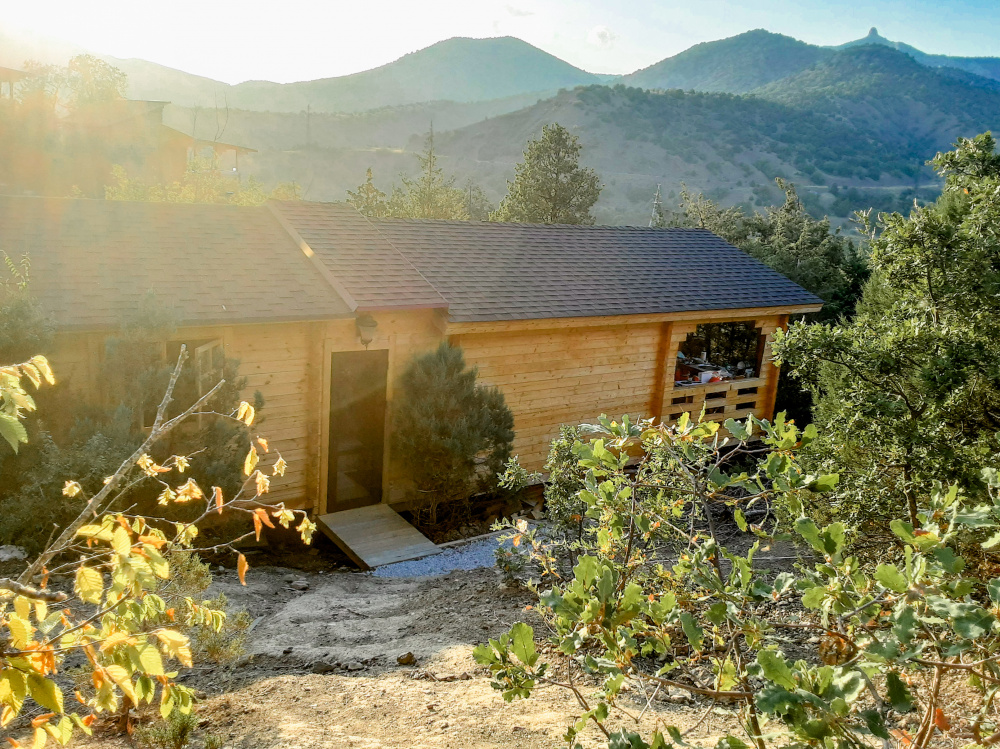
column 51, row 596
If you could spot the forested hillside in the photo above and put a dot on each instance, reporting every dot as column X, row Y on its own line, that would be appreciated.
column 851, row 126
column 734, row 65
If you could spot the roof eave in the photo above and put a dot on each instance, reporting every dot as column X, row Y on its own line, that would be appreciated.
column 456, row 327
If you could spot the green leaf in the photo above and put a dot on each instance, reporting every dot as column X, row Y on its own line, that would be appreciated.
column 45, row 693
column 903, row 530
column 977, row 517
column 149, row 658
column 993, row 588
column 776, row 701
column 814, row 597
column 898, row 693
column 992, row 541
column 716, row 613
column 808, row 530
column 875, row 723
column 624, row 739
column 973, row 625
column 906, row 624
column 695, row 634
column 776, row 669
column 522, row 638
column 484, row 655
column 951, row 562
column 586, row 570
column 12, row 430
column 890, row 576
column 741, row 521
column 731, row 742
column 826, row 483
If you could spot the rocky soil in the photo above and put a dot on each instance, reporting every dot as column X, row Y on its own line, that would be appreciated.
column 323, row 669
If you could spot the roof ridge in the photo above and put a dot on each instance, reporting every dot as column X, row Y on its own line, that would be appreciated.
column 582, row 227
column 308, row 251
column 402, row 255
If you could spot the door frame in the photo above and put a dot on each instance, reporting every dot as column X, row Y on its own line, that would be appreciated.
column 331, row 347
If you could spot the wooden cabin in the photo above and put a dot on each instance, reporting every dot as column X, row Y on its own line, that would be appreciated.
column 568, row 321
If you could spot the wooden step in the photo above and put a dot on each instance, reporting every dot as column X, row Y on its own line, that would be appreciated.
column 375, row 535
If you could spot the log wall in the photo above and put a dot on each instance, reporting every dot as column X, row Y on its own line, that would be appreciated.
column 565, row 373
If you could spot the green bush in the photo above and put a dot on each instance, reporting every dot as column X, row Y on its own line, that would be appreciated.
column 451, row 434
column 175, row 732
column 89, row 438
column 890, row 640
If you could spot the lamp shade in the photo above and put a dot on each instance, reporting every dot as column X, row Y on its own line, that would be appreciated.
column 366, row 329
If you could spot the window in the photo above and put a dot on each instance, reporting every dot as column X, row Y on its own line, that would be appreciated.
column 203, row 369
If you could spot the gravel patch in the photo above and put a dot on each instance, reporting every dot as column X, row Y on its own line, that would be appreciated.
column 472, row 556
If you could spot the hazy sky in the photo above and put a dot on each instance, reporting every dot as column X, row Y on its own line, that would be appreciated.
column 290, row 40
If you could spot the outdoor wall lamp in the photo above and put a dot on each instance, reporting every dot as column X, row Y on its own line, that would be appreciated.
column 366, row 329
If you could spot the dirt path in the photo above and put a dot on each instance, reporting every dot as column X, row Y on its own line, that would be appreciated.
column 321, row 669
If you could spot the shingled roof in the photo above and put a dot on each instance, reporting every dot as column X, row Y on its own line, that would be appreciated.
column 92, row 261
column 490, row 271
column 374, row 274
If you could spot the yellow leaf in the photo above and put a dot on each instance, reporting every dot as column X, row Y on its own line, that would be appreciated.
column 166, row 496
column 22, row 606
column 20, row 631
column 121, row 542
column 114, row 640
column 263, row 443
column 45, row 693
column 176, row 645
column 306, row 529
column 263, row 483
column 31, row 372
column 218, row 499
column 241, row 568
column 99, row 532
column 251, row 461
column 257, row 525
column 121, row 677
column 150, row 659
column 190, row 491
column 42, row 364
column 89, row 584
column 39, row 738
column 279, row 467
column 245, row 413
column 71, row 489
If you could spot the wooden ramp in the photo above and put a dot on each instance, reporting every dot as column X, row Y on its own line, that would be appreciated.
column 375, row 535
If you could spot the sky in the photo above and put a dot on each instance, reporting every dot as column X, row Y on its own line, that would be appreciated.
column 305, row 39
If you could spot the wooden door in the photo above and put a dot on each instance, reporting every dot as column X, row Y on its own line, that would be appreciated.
column 357, row 428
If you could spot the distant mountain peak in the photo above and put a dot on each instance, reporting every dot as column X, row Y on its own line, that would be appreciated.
column 873, row 33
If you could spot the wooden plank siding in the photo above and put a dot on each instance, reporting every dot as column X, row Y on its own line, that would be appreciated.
column 566, row 376
column 561, row 374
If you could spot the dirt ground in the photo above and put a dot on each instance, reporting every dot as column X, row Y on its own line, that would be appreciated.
column 321, row 669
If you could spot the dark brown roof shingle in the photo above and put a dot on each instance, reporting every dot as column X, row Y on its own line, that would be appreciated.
column 491, row 271
column 373, row 272
column 93, row 261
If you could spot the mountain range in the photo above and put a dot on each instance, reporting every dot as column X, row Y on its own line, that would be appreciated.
column 852, row 125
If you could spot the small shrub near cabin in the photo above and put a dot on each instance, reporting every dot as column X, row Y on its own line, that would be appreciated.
column 452, row 434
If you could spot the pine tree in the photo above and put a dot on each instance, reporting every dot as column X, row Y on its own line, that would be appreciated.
column 368, row 199
column 550, row 186
column 432, row 194
column 452, row 434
